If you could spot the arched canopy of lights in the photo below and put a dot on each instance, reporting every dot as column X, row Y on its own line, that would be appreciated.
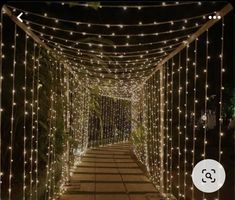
column 116, row 52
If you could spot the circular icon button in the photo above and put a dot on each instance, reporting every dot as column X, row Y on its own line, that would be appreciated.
column 208, row 175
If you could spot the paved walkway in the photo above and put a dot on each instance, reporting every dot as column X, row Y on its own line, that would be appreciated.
column 110, row 173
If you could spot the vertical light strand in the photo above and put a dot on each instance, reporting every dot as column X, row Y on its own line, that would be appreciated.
column 54, row 133
column 32, row 126
column 37, row 124
column 49, row 157
column 25, row 115
column 145, row 128
column 150, row 126
column 152, row 107
column 88, row 114
column 185, row 122
column 163, row 105
column 159, row 129
column 206, row 98
column 161, row 152
column 179, row 123
column 155, row 159
column 222, row 70
column 106, row 120
column 63, row 171
column 53, row 105
column 49, row 149
column 1, row 78
column 100, row 119
column 194, row 111
column 166, row 128
column 123, row 120
column 111, row 118
column 171, row 124
column 12, row 117
column 120, row 120
column 205, row 103
column 83, row 118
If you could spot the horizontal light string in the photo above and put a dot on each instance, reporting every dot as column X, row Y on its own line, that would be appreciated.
column 75, row 51
column 113, row 62
column 98, row 57
column 132, row 53
column 113, row 35
column 100, row 45
column 124, row 7
column 204, row 16
column 111, row 53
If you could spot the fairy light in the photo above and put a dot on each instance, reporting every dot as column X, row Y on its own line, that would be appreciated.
column 162, row 137
column 54, row 134
column 152, row 91
column 157, row 123
column 205, row 102
column 25, row 115
column 179, row 124
column 194, row 111
column 149, row 116
column 222, row 70
column 171, row 124
column 37, row 124
column 1, row 78
column 185, row 122
column 167, row 127
column 49, row 151
column 12, row 117
column 51, row 179
column 206, row 97
column 146, row 157
column 32, row 125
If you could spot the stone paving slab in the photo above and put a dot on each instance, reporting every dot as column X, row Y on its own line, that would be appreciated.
column 107, row 170
column 112, row 197
column 130, row 171
column 110, row 187
column 110, row 177
column 87, row 164
column 140, row 187
column 98, row 156
column 144, row 197
column 97, row 152
column 113, row 164
column 125, row 165
column 84, row 187
column 77, row 197
column 134, row 178
column 85, row 169
column 83, row 177
column 124, row 160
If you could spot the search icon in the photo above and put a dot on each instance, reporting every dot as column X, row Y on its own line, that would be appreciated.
column 208, row 175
